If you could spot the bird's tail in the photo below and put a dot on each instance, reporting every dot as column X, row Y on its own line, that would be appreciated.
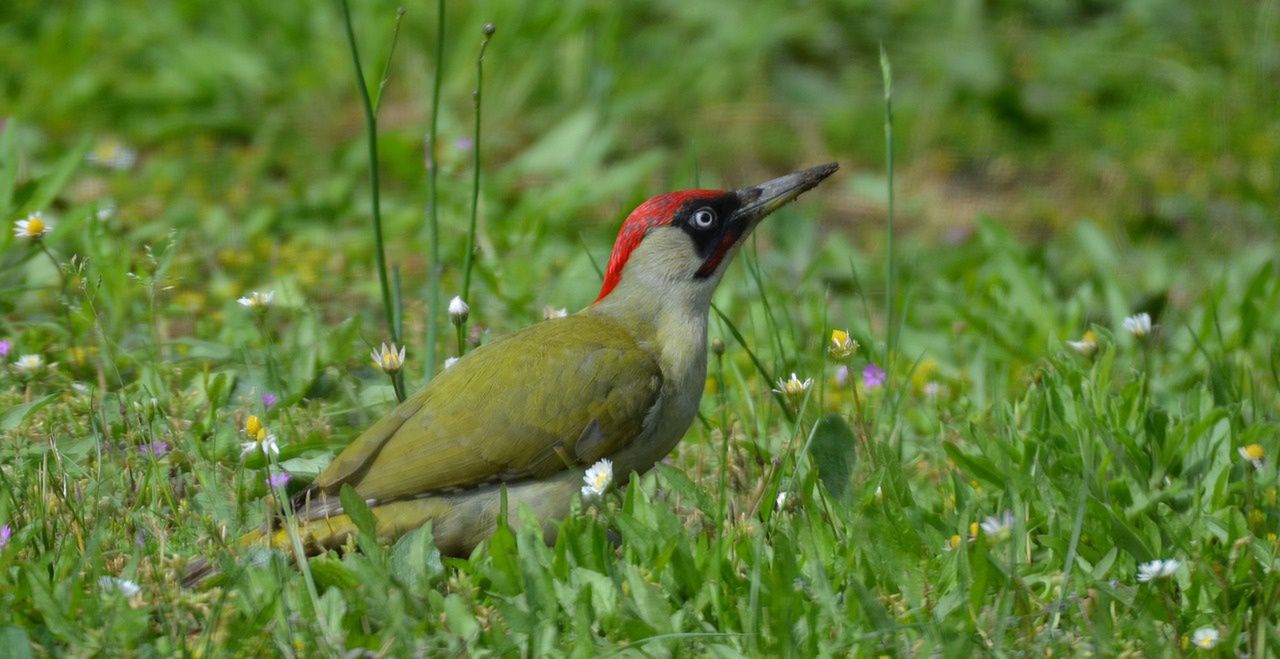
column 459, row 520
column 326, row 526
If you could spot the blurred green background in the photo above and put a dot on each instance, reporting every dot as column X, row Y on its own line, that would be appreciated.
column 1152, row 118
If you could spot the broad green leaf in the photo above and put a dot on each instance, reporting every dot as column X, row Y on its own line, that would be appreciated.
column 359, row 512
column 977, row 466
column 832, row 448
column 415, row 561
column 13, row 417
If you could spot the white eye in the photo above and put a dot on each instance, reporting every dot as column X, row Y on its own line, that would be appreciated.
column 703, row 218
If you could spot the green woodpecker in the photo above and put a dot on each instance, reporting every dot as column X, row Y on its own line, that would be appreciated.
column 620, row 380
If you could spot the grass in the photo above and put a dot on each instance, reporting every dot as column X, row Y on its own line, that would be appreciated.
column 1057, row 170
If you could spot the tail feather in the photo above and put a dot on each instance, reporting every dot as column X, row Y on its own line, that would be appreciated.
column 460, row 520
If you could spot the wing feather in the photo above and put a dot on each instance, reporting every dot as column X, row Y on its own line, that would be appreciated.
column 559, row 394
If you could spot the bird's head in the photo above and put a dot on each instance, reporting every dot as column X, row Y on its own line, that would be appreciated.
column 682, row 241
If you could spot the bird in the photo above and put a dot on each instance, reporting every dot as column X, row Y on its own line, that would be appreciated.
column 525, row 416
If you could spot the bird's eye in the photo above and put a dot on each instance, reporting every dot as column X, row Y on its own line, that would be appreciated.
column 703, row 218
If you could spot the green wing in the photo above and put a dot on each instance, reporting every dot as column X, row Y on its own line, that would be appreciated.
column 559, row 394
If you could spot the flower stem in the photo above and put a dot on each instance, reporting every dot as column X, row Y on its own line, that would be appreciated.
column 371, row 130
column 433, row 222
column 886, row 72
column 469, row 261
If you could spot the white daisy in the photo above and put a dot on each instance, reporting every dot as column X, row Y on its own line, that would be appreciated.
column 597, row 479
column 123, row 586
column 388, row 359
column 997, row 526
column 1206, row 638
column 268, row 444
column 33, row 228
column 794, row 387
column 29, row 364
column 257, row 300
column 1087, row 345
column 1138, row 324
column 1254, row 454
column 1157, row 569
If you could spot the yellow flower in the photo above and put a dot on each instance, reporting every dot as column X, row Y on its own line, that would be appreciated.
column 1253, row 454
column 973, row 530
column 841, row 347
column 955, row 541
column 254, row 429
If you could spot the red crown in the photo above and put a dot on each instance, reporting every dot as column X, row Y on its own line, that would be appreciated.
column 656, row 212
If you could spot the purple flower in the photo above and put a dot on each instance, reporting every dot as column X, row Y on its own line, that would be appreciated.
column 279, row 479
column 842, row 375
column 156, row 448
column 872, row 376
column 464, row 143
column 269, row 400
column 5, row 534
column 5, row 347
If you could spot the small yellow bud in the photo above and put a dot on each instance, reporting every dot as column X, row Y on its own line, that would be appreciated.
column 841, row 346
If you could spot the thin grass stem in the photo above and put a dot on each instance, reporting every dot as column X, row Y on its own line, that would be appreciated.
column 886, row 72
column 433, row 190
column 478, row 97
column 371, row 131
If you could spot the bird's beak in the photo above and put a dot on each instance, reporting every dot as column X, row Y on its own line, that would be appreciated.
column 758, row 201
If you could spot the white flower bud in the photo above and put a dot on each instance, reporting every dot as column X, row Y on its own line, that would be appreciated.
column 458, row 310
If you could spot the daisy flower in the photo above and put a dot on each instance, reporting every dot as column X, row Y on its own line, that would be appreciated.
column 259, row 438
column 257, row 301
column 597, row 479
column 122, row 586
column 1087, row 345
column 29, row 364
column 1138, row 325
column 1253, row 454
column 1157, row 569
column 1206, row 638
column 997, row 526
column 388, row 358
column 34, row 227
column 794, row 387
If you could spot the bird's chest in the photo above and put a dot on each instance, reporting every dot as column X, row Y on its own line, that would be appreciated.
column 683, row 359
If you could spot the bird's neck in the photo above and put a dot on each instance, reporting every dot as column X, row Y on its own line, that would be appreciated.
column 669, row 321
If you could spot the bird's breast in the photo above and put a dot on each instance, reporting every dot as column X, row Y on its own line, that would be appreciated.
column 681, row 351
